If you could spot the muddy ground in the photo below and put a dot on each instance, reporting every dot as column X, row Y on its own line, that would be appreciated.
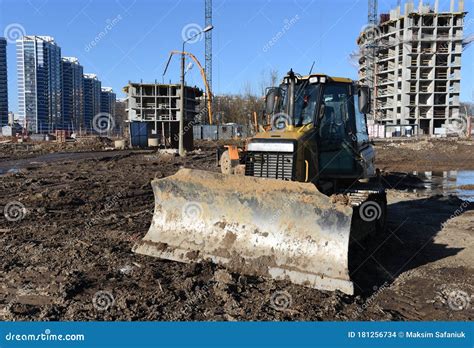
column 68, row 256
column 425, row 155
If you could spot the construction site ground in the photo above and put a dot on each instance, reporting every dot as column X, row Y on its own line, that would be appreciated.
column 69, row 257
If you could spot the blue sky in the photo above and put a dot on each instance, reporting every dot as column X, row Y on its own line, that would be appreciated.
column 141, row 34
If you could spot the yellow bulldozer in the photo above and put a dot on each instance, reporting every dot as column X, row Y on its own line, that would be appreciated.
column 291, row 203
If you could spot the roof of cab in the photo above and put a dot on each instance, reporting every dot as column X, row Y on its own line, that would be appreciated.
column 330, row 78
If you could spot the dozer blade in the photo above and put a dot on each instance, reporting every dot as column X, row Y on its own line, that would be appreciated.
column 266, row 227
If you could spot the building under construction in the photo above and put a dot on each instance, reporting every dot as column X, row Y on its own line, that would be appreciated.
column 155, row 108
column 416, row 71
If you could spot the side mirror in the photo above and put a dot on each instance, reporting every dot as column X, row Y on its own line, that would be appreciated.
column 364, row 99
column 272, row 94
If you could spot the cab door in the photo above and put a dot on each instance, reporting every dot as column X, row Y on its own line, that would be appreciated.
column 335, row 132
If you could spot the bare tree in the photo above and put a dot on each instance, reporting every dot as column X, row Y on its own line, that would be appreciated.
column 268, row 78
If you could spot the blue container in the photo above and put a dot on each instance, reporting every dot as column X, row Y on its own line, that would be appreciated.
column 139, row 134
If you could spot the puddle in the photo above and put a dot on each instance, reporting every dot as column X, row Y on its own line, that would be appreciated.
column 449, row 182
column 13, row 166
column 9, row 171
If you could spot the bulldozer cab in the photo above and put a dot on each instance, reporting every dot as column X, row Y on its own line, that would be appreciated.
column 329, row 115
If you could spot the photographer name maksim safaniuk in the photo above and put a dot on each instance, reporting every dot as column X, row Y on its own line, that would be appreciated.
column 436, row 334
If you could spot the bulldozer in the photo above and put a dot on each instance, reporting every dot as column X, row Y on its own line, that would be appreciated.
column 292, row 202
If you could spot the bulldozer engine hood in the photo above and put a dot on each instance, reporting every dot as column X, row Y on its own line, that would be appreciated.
column 290, row 133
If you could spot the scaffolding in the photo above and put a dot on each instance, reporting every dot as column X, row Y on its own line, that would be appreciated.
column 417, row 69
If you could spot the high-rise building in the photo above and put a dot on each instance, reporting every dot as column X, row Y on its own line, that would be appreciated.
column 3, row 83
column 417, row 67
column 107, row 101
column 73, row 94
column 92, row 91
column 39, row 83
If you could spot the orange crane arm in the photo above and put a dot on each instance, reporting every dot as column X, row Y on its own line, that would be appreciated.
column 203, row 75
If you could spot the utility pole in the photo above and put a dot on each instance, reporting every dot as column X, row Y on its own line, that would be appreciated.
column 208, row 46
column 181, row 116
column 183, row 94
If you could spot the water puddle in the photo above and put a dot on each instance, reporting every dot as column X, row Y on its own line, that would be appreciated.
column 13, row 166
column 9, row 171
column 459, row 183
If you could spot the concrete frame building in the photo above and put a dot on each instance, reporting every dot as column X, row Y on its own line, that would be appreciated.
column 73, row 94
column 39, row 83
column 92, row 92
column 159, row 106
column 3, row 83
column 417, row 67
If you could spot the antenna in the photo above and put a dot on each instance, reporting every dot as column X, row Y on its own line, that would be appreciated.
column 312, row 66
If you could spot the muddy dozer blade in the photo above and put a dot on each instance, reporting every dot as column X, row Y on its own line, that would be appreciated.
column 266, row 227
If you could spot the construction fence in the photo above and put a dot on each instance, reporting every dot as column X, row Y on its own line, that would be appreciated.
column 218, row 132
column 461, row 129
